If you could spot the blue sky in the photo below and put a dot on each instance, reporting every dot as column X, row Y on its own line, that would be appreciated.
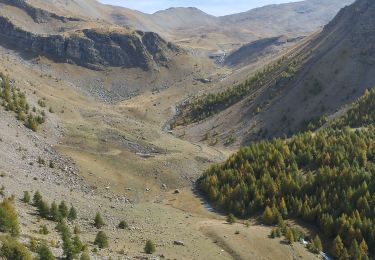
column 215, row 7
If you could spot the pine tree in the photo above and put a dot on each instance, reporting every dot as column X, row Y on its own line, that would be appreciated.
column 268, row 217
column 55, row 213
column 43, row 209
column 32, row 123
column 78, row 245
column 37, row 198
column 72, row 214
column 290, row 236
column 337, row 247
column 85, row 256
column 101, row 240
column 63, row 209
column 26, row 197
column 12, row 249
column 68, row 246
column 355, row 252
column 283, row 208
column 8, row 218
column 44, row 253
column 98, row 221
column 316, row 245
column 364, row 248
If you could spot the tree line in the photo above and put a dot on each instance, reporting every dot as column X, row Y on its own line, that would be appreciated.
column 326, row 177
column 210, row 104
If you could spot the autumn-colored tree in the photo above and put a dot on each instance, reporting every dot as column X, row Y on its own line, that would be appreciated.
column 337, row 247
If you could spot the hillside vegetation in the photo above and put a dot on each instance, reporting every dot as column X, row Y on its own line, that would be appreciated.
column 203, row 107
column 13, row 99
column 361, row 114
column 325, row 178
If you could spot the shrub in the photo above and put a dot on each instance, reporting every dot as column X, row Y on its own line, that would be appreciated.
column 62, row 228
column 85, row 256
column 8, row 218
column 63, row 209
column 37, row 198
column 98, row 221
column 26, row 197
column 11, row 249
column 101, row 240
column 43, row 209
column 43, row 230
column 150, row 247
column 123, row 225
column 32, row 123
column 72, row 214
column 231, row 219
column 55, row 213
column 34, row 245
column 78, row 245
column 44, row 253
column 76, row 230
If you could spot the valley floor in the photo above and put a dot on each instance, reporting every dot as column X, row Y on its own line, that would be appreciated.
column 116, row 159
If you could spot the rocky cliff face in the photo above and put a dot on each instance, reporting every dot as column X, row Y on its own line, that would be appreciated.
column 91, row 48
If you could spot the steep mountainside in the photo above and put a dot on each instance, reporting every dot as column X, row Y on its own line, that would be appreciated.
column 298, row 17
column 317, row 77
column 194, row 28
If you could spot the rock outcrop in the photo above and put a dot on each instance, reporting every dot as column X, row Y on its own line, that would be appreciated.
column 92, row 48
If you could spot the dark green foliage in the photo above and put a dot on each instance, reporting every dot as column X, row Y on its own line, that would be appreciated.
column 26, row 197
column 361, row 114
column 11, row 249
column 68, row 246
column 327, row 178
column 55, row 213
column 98, row 221
column 150, row 247
column 44, row 253
column 101, row 240
column 78, row 245
column 37, row 198
column 123, row 224
column 13, row 99
column 72, row 214
column 63, row 209
column 43, row 209
column 8, row 218
column 314, row 123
